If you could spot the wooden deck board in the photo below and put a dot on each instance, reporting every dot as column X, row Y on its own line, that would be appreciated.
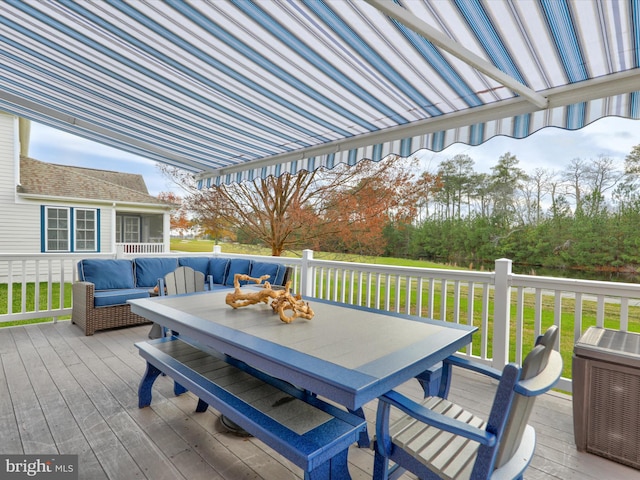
column 62, row 392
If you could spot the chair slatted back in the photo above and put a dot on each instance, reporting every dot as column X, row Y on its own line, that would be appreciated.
column 533, row 366
column 184, row 280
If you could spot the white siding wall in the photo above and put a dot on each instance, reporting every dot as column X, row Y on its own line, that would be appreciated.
column 19, row 224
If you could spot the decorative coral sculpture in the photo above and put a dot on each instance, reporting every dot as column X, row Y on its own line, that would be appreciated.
column 282, row 301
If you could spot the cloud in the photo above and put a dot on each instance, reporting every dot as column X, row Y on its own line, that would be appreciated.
column 550, row 148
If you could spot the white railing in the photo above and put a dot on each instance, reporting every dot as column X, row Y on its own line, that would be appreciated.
column 135, row 248
column 35, row 285
column 509, row 310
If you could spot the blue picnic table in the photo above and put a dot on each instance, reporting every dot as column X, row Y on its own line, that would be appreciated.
column 347, row 354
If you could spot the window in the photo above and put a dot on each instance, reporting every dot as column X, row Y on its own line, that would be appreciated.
column 131, row 232
column 128, row 229
column 70, row 229
column 85, row 231
column 57, row 229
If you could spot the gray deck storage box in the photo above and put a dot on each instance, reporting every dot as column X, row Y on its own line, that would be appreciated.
column 606, row 394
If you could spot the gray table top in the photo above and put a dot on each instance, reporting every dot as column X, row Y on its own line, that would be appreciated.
column 348, row 354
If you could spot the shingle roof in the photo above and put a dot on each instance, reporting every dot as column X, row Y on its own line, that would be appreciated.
column 40, row 178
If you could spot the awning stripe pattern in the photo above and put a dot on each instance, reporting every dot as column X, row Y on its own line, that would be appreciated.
column 233, row 90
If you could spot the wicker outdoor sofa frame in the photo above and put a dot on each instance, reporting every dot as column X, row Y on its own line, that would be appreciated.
column 91, row 319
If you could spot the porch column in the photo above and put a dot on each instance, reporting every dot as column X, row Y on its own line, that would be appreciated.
column 166, row 232
column 501, row 313
column 112, row 236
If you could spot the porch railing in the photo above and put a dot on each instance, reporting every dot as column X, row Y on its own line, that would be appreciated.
column 135, row 248
column 510, row 310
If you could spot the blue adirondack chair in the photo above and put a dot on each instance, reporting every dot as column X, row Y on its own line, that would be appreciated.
column 437, row 439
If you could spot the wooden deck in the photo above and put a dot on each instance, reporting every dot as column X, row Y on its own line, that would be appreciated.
column 62, row 392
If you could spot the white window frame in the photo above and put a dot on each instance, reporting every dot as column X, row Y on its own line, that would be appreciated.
column 71, row 229
column 76, row 229
column 124, row 228
column 47, row 229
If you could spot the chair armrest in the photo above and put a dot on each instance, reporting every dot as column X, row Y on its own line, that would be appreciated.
column 438, row 420
column 474, row 366
column 84, row 285
column 83, row 293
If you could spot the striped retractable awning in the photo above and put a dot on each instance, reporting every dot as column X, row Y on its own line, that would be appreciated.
column 236, row 89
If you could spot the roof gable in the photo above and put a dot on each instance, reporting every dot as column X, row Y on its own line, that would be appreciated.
column 49, row 179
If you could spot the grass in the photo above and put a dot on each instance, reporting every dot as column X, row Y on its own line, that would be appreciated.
column 30, row 301
column 180, row 245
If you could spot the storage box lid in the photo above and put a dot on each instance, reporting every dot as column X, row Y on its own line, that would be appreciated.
column 609, row 345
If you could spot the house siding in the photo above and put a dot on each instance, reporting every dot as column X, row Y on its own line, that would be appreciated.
column 13, row 215
column 53, row 185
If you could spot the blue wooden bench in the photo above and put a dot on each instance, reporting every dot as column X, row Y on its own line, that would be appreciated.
column 311, row 433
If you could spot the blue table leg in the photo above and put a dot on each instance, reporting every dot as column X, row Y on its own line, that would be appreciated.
column 335, row 468
column 430, row 380
column 202, row 406
column 178, row 389
column 363, row 440
column 144, row 390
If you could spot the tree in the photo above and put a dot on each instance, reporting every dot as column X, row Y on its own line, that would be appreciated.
column 300, row 210
column 632, row 162
column 354, row 218
column 602, row 176
column 506, row 178
column 178, row 218
column 574, row 175
column 456, row 174
column 427, row 187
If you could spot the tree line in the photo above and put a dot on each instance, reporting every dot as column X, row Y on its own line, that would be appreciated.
column 584, row 215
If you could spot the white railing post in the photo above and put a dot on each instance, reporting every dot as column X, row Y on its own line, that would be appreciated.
column 217, row 249
column 306, row 277
column 501, row 313
column 120, row 250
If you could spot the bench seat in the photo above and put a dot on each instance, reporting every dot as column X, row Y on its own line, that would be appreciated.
column 311, row 433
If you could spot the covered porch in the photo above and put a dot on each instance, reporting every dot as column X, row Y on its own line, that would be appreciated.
column 62, row 392
column 428, row 75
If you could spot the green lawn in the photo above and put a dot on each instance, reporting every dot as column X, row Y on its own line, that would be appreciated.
column 30, row 298
column 179, row 245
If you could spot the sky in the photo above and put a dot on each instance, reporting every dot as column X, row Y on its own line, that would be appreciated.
column 550, row 148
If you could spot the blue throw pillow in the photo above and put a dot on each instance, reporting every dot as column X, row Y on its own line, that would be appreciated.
column 107, row 274
column 199, row 264
column 218, row 269
column 237, row 265
column 272, row 269
column 149, row 270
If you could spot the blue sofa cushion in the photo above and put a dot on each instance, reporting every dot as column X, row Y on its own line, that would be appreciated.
column 199, row 264
column 149, row 270
column 237, row 265
column 218, row 269
column 275, row 270
column 106, row 298
column 106, row 274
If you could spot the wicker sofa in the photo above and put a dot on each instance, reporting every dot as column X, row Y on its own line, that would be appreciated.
column 100, row 296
